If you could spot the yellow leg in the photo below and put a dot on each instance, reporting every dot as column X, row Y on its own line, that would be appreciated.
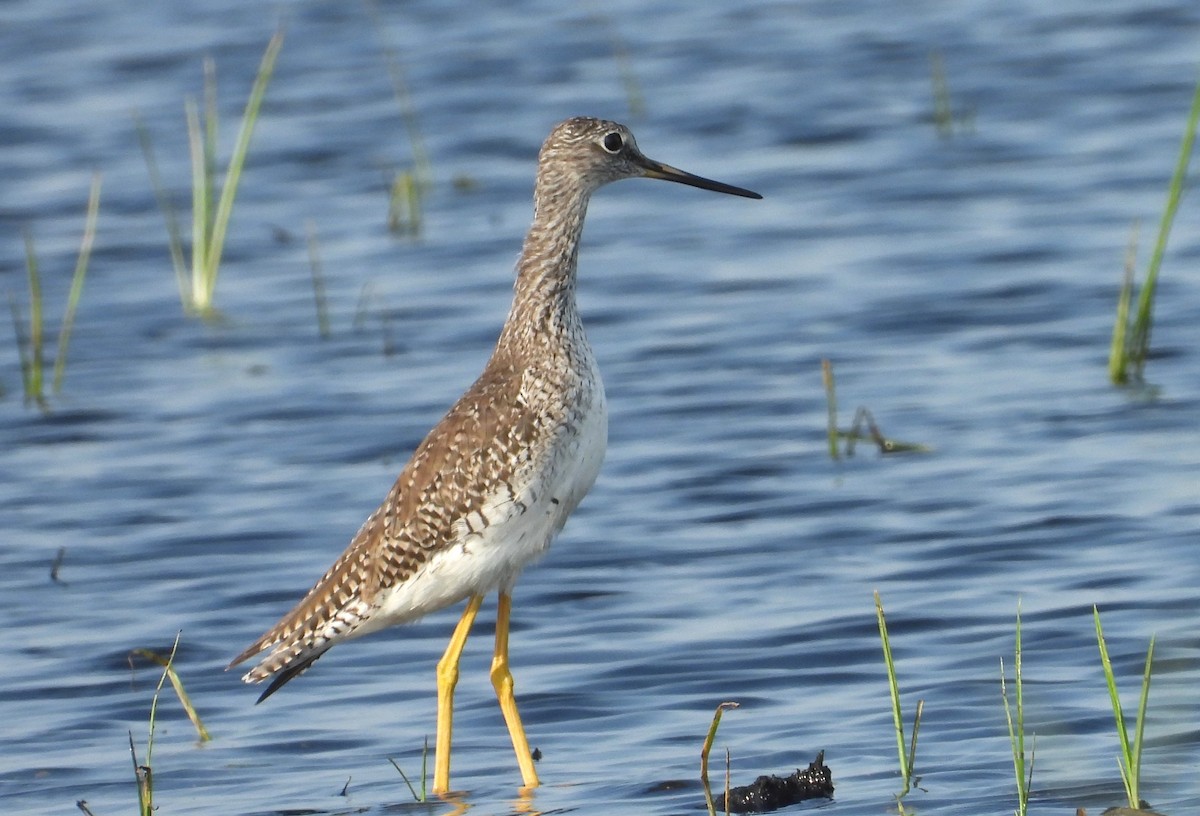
column 502, row 680
column 447, row 678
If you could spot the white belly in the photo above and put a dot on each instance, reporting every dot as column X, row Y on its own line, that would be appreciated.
column 490, row 556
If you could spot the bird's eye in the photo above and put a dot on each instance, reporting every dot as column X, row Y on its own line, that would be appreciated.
column 613, row 142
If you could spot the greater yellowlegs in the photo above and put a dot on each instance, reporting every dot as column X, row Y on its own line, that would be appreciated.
column 493, row 483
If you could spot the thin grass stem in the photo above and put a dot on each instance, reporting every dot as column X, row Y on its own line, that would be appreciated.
column 200, row 205
column 728, row 778
column 416, row 797
column 76, row 291
column 211, row 212
column 145, row 784
column 894, row 689
column 425, row 769
column 629, row 81
column 1145, row 312
column 1130, row 346
column 705, row 749
column 211, row 130
column 33, row 360
column 1140, row 726
column 1016, row 729
column 712, row 735
column 229, row 187
column 318, row 279
column 1118, row 353
column 830, row 408
column 943, row 113
column 1130, row 758
column 143, row 772
column 408, row 111
column 912, row 747
column 404, row 204
column 174, row 235
column 180, row 692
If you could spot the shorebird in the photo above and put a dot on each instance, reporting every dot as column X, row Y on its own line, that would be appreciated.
column 495, row 480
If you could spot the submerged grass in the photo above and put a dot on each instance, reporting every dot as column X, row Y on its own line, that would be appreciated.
column 1131, row 341
column 423, row 795
column 945, row 119
column 318, row 279
column 1130, row 759
column 908, row 756
column 30, row 337
column 409, row 186
column 370, row 301
column 404, row 204
column 211, row 212
column 831, row 409
column 863, row 426
column 408, row 111
column 1016, row 727
column 634, row 98
column 943, row 113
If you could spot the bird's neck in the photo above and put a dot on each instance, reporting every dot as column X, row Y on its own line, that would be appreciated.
column 544, row 307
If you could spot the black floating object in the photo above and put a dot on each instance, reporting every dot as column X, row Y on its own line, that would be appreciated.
column 773, row 792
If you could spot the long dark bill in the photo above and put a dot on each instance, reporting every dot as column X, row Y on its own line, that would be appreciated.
column 666, row 172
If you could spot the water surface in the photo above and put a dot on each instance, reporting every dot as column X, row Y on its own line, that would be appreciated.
column 200, row 477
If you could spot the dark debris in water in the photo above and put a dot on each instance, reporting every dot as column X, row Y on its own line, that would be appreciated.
column 773, row 792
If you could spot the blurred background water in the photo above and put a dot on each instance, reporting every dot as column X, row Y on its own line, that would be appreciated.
column 200, row 476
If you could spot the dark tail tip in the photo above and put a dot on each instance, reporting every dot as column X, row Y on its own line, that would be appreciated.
column 284, row 675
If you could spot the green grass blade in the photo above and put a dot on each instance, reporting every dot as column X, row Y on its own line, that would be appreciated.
column 200, row 241
column 706, row 748
column 20, row 331
column 1126, row 758
column 177, row 683
column 162, row 679
column 1022, row 771
column 408, row 111
column 894, row 689
column 36, row 348
column 1020, row 693
column 1008, row 718
column 629, row 81
column 1140, row 340
column 174, row 236
column 425, row 769
column 1028, row 778
column 318, row 279
column 144, row 773
column 404, row 204
column 1118, row 352
column 141, row 773
column 233, row 175
column 912, row 746
column 1135, row 769
column 830, row 409
column 211, row 130
column 81, row 265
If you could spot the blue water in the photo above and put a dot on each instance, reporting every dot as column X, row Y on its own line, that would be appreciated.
column 200, row 476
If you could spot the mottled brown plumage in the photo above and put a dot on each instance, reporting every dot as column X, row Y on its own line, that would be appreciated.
column 493, row 482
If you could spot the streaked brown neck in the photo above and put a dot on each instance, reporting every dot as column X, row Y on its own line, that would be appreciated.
column 543, row 308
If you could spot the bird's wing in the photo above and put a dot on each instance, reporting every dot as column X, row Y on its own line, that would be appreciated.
column 452, row 484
